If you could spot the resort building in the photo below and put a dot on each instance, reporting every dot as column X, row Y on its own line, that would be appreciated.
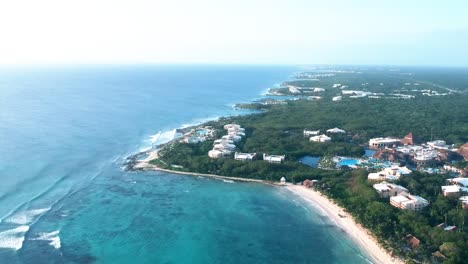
column 235, row 130
column 451, row 190
column 454, row 169
column 397, row 171
column 410, row 139
column 463, row 151
column 308, row 133
column 236, row 133
column 337, row 98
column 221, row 141
column 438, row 144
column 224, row 146
column 309, row 183
column 244, row 156
column 461, row 182
column 379, row 143
column 273, row 158
column 283, row 180
column 412, row 241
column 320, row 138
column 228, row 126
column 336, row 131
column 409, row 202
column 382, row 176
column 464, row 202
column 385, row 189
column 425, row 157
column 215, row 154
column 234, row 138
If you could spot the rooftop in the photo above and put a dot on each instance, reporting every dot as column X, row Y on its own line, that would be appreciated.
column 451, row 188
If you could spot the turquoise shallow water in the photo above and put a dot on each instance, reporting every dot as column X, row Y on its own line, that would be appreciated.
column 64, row 198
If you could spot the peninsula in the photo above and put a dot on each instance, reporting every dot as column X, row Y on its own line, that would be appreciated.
column 382, row 153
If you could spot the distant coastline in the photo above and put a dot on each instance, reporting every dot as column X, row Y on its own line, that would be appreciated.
column 280, row 123
column 336, row 214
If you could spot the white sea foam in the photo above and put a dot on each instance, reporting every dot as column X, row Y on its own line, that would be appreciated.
column 13, row 238
column 52, row 237
column 199, row 121
column 26, row 217
column 144, row 149
column 163, row 137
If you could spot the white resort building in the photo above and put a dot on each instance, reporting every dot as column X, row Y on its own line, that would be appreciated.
column 320, row 138
column 451, row 190
column 461, row 182
column 409, row 202
column 379, row 143
column 336, row 131
column 337, row 98
column 273, row 158
column 425, row 156
column 244, row 156
column 215, row 154
column 397, row 171
column 385, row 189
column 308, row 133
column 392, row 173
column 464, row 201
column 225, row 146
column 382, row 176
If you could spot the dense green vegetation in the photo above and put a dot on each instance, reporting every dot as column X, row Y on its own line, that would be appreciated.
column 280, row 131
column 351, row 190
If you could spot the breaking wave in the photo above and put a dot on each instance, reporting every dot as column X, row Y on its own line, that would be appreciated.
column 13, row 238
column 52, row 237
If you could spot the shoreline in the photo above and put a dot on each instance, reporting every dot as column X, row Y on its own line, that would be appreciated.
column 144, row 165
column 336, row 214
column 360, row 235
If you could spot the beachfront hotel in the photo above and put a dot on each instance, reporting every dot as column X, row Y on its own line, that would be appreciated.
column 409, row 202
column 385, row 189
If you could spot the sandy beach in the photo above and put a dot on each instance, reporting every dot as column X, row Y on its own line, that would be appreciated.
column 359, row 234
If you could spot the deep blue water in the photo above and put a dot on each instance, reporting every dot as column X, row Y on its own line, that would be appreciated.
column 64, row 132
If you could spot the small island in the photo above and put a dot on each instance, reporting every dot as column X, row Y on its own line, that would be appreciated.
column 379, row 151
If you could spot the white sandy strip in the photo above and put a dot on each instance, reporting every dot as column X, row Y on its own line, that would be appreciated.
column 151, row 156
column 365, row 240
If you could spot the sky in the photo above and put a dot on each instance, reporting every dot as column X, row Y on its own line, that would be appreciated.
column 394, row 32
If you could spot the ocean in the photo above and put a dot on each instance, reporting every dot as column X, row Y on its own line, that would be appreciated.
column 64, row 198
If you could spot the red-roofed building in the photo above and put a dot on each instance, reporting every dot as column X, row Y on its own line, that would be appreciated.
column 463, row 151
column 410, row 140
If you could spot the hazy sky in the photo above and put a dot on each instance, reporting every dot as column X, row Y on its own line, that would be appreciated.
column 237, row 31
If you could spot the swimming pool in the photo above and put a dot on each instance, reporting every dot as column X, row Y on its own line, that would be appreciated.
column 350, row 162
